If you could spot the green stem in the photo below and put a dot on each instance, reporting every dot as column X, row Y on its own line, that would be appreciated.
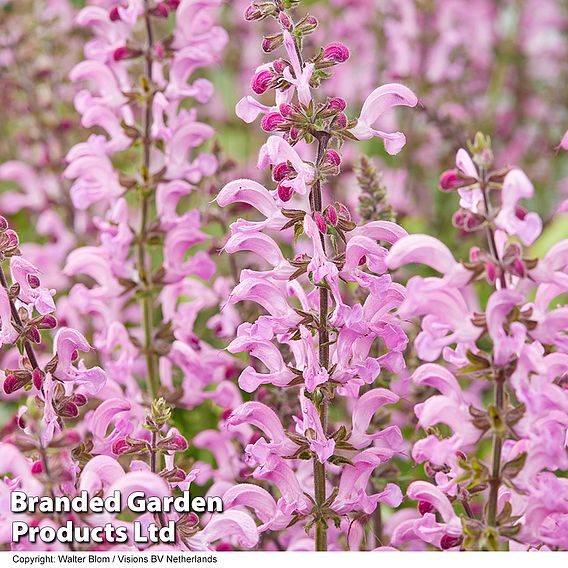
column 146, row 192
column 495, row 481
column 319, row 468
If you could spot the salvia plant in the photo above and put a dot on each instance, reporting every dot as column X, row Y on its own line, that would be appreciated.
column 298, row 330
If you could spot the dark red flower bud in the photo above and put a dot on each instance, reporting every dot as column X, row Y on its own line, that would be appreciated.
column 37, row 378
column 13, row 240
column 33, row 334
column 336, row 103
column 173, row 4
column 332, row 158
column 33, row 281
column 294, row 133
column 331, row 215
column 120, row 446
column 160, row 11
column 226, row 413
column 261, row 81
column 340, row 121
column 80, row 399
column 178, row 443
column 124, row 52
column 450, row 180
column 518, row 268
column 69, row 410
column 285, row 21
column 270, row 43
column 491, row 272
column 279, row 65
column 286, row 110
column 336, row 52
column 320, row 222
column 3, row 223
column 11, row 384
column 448, row 541
column 271, row 121
column 47, row 322
column 37, row 467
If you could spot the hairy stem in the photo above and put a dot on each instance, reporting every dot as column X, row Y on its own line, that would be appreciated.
column 495, row 481
column 146, row 192
column 319, row 468
column 489, row 229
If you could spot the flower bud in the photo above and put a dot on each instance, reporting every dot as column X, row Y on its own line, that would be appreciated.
column 343, row 211
column 122, row 53
column 491, row 272
column 294, row 133
column 320, row 222
column 448, row 541
column 285, row 192
column 69, row 410
column 173, row 4
column 272, row 42
column 331, row 215
column 518, row 268
column 474, row 254
column 252, row 13
column 285, row 21
column 340, row 121
column 37, row 468
column 120, row 446
column 80, row 399
column 279, row 65
column 13, row 240
column 47, row 322
column 175, row 442
column 450, row 180
column 271, row 121
column 160, row 11
column 336, row 52
column 332, row 158
column 33, row 334
column 261, row 81
column 15, row 381
column 286, row 110
column 3, row 223
column 37, row 378
column 336, row 103
column 307, row 25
